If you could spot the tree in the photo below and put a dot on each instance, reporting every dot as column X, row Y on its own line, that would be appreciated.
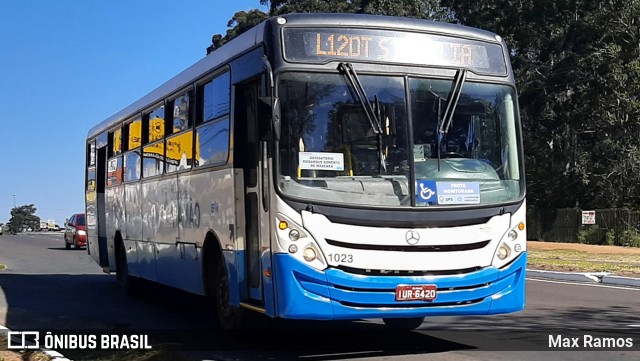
column 577, row 65
column 24, row 217
column 243, row 21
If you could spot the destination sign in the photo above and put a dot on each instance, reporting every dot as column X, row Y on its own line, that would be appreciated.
column 324, row 45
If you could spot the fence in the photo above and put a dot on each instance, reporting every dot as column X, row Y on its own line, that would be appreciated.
column 612, row 226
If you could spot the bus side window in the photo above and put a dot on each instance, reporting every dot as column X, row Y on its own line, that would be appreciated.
column 134, row 134
column 131, row 167
column 153, row 152
column 179, row 152
column 114, row 164
column 115, row 142
column 212, row 135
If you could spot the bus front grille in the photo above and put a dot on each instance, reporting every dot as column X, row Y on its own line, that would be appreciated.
column 413, row 305
column 371, row 272
column 409, row 248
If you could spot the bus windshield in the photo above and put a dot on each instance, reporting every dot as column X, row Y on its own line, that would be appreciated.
column 330, row 152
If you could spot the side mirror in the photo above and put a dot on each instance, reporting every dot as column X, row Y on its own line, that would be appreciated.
column 269, row 118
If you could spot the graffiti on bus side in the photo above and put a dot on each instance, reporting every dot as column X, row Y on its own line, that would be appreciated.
column 189, row 214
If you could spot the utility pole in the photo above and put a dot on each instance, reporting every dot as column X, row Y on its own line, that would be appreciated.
column 14, row 201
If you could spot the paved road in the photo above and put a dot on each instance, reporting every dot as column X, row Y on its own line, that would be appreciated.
column 48, row 287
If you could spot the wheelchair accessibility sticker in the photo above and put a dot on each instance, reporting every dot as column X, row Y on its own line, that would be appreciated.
column 432, row 192
column 426, row 191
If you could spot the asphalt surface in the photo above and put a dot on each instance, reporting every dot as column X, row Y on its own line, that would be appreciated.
column 48, row 287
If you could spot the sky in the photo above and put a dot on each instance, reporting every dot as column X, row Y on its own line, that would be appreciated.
column 66, row 65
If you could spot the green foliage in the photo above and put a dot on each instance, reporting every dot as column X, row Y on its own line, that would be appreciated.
column 577, row 66
column 630, row 237
column 591, row 235
column 245, row 20
column 241, row 22
column 24, row 216
column 279, row 7
column 610, row 237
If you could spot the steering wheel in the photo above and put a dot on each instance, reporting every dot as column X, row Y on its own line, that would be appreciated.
column 452, row 155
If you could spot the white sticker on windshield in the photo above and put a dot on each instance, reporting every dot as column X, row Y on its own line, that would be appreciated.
column 321, row 161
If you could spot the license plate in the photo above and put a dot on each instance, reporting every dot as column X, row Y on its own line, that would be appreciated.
column 416, row 293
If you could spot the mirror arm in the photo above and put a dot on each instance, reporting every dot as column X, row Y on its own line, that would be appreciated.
column 273, row 101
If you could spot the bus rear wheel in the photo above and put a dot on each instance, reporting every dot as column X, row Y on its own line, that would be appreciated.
column 128, row 283
column 403, row 324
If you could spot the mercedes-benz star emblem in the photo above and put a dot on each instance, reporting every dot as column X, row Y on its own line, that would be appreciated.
column 412, row 237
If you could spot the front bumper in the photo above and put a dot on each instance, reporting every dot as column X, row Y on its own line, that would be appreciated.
column 305, row 293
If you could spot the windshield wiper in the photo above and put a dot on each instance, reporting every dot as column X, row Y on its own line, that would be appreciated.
column 452, row 100
column 355, row 83
column 372, row 115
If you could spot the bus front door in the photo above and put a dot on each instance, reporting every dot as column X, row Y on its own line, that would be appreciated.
column 249, row 158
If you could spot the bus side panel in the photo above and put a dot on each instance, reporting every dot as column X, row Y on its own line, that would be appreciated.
column 178, row 259
column 159, row 210
column 132, row 231
column 114, row 219
column 206, row 204
column 133, row 215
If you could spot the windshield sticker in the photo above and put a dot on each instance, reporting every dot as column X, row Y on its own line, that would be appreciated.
column 426, row 191
column 321, row 161
column 458, row 192
column 419, row 151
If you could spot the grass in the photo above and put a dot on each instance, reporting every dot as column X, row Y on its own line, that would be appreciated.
column 20, row 356
column 579, row 261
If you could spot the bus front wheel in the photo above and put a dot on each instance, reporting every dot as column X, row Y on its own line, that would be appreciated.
column 403, row 324
column 228, row 315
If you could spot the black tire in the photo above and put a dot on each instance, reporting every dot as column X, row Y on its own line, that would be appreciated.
column 228, row 316
column 66, row 244
column 403, row 324
column 128, row 283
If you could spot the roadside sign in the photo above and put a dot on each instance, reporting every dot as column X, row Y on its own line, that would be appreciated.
column 588, row 217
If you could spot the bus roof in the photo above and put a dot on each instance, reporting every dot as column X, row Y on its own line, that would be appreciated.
column 255, row 36
column 388, row 22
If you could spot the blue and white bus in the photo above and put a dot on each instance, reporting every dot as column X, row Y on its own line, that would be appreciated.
column 322, row 166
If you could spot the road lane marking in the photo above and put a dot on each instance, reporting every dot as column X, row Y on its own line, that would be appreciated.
column 342, row 354
column 585, row 284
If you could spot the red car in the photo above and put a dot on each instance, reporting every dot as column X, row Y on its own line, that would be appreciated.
column 75, row 232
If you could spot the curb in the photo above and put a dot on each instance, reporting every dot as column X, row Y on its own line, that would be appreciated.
column 595, row 277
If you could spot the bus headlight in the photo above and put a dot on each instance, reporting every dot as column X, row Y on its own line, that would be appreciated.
column 512, row 244
column 309, row 254
column 503, row 252
column 296, row 241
